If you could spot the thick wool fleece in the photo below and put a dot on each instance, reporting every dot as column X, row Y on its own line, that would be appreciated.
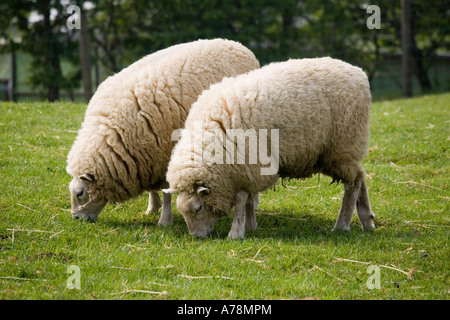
column 320, row 107
column 125, row 139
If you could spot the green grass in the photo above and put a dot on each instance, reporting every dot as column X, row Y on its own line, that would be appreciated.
column 292, row 255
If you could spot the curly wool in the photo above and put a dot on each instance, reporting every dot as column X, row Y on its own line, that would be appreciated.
column 125, row 139
column 320, row 106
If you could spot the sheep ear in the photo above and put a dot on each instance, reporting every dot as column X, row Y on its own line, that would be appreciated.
column 170, row 191
column 203, row 190
column 87, row 177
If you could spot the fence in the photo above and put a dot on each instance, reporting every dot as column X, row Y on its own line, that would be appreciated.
column 385, row 85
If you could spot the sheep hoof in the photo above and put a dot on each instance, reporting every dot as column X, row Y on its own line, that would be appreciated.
column 165, row 222
column 235, row 235
column 151, row 211
column 368, row 226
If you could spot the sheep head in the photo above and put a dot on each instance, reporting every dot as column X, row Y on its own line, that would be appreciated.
column 199, row 216
column 87, row 200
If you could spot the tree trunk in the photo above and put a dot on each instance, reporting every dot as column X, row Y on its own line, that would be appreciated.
column 53, row 86
column 85, row 58
column 420, row 70
column 406, row 48
column 51, row 56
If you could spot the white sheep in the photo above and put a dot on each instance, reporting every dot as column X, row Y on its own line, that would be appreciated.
column 317, row 112
column 124, row 145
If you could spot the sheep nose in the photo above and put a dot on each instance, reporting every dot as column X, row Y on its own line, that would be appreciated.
column 74, row 216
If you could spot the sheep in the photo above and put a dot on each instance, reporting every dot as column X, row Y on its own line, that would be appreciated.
column 124, row 145
column 317, row 111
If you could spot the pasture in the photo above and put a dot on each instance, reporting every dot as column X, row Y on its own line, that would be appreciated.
column 292, row 254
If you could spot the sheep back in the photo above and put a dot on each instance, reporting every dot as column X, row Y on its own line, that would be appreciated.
column 320, row 107
column 125, row 139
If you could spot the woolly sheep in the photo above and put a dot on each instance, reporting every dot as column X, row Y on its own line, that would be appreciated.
column 124, row 145
column 317, row 111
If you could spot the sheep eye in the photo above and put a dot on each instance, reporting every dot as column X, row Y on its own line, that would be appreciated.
column 79, row 194
column 198, row 210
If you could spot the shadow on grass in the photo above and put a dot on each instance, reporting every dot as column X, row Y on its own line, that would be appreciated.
column 304, row 226
column 288, row 225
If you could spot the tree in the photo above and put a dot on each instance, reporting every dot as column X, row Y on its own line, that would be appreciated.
column 122, row 31
column 44, row 37
column 431, row 32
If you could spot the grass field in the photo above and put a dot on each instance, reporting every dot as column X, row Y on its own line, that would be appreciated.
column 292, row 255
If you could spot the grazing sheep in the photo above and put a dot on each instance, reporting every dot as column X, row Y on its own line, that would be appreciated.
column 124, row 145
column 317, row 111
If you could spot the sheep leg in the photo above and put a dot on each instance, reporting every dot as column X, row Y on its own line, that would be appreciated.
column 250, row 207
column 363, row 209
column 255, row 201
column 154, row 202
column 166, row 218
column 238, row 227
column 351, row 192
